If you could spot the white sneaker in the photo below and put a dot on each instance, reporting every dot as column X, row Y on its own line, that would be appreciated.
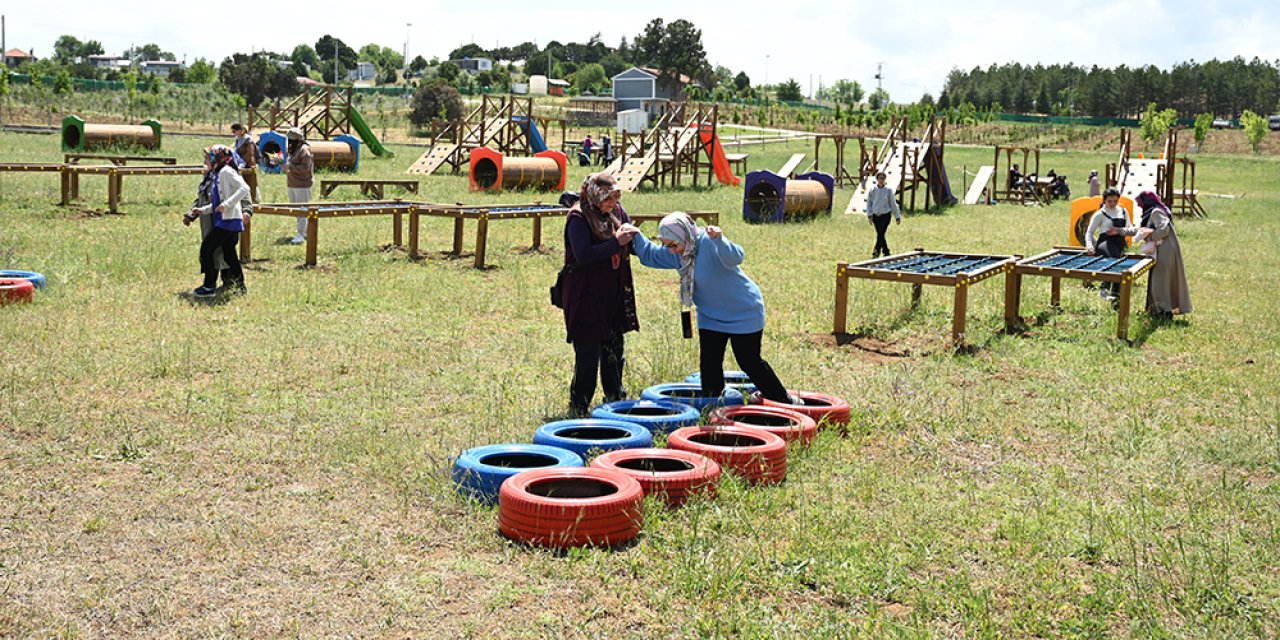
column 297, row 240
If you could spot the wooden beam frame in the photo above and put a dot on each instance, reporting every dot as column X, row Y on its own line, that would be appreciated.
column 1126, row 280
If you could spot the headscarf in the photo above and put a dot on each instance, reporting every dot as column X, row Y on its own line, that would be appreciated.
column 1149, row 202
column 595, row 189
column 219, row 155
column 679, row 227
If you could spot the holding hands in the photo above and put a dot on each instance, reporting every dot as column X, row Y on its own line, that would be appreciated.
column 625, row 233
column 713, row 231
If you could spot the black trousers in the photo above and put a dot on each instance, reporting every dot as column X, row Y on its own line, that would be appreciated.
column 882, row 225
column 225, row 240
column 590, row 357
column 746, row 350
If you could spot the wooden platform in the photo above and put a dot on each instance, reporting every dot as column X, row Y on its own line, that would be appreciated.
column 482, row 215
column 1066, row 262
column 119, row 161
column 314, row 212
column 433, row 159
column 957, row 271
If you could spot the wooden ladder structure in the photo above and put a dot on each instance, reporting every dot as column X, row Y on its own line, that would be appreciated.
column 494, row 124
column 322, row 112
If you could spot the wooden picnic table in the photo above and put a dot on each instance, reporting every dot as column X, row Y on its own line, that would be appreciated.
column 372, row 188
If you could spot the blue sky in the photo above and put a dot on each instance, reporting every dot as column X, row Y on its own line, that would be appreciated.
column 918, row 42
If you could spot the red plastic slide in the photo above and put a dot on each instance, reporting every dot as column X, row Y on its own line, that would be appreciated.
column 718, row 160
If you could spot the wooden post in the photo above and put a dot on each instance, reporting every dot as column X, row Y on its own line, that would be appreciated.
column 1012, row 299
column 958, row 317
column 537, row 232
column 482, row 238
column 397, row 237
column 1055, row 293
column 413, row 233
column 917, row 290
column 66, row 185
column 313, row 235
column 74, row 179
column 113, row 192
column 246, row 240
column 1122, row 316
column 842, row 298
column 457, row 234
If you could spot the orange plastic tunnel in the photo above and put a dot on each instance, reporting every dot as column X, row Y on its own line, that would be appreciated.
column 492, row 171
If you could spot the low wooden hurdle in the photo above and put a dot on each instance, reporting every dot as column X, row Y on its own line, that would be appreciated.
column 115, row 179
column 316, row 211
column 918, row 268
column 482, row 215
column 375, row 189
column 1069, row 262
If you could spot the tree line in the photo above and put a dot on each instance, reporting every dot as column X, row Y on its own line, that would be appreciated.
column 1224, row 88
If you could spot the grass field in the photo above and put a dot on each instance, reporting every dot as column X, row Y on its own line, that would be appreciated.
column 277, row 466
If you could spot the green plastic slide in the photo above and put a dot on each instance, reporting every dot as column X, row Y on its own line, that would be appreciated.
column 367, row 137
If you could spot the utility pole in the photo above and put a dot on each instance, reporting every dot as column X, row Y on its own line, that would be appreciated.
column 4, row 58
column 879, row 75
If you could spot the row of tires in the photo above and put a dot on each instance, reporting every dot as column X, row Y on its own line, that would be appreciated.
column 19, row 286
column 548, row 495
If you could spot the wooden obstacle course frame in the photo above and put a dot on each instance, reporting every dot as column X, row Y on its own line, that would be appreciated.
column 375, row 189
column 1181, row 199
column 917, row 164
column 679, row 144
column 482, row 215
column 320, row 111
column 708, row 217
column 1002, row 188
column 1035, row 266
column 841, row 172
column 316, row 211
column 960, row 281
column 495, row 123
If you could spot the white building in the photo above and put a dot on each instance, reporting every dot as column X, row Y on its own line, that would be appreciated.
column 161, row 68
column 474, row 66
column 364, row 71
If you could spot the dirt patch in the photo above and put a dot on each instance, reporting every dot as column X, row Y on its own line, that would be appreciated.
column 869, row 348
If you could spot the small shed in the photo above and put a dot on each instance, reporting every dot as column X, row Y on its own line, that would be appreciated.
column 641, row 88
column 556, row 87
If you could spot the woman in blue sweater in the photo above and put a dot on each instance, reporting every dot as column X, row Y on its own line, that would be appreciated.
column 730, row 306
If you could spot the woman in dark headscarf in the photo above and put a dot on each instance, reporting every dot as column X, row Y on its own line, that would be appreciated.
column 1167, row 291
column 225, row 196
column 599, row 299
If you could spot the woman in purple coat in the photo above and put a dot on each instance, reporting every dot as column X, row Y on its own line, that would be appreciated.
column 599, row 298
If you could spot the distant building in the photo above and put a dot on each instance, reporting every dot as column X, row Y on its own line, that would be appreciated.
column 160, row 68
column 102, row 61
column 641, row 88
column 474, row 66
column 364, row 71
column 556, row 87
column 18, row 57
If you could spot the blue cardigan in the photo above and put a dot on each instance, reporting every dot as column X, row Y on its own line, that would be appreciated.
column 727, row 300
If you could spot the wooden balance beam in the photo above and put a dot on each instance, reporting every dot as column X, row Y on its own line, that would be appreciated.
column 708, row 217
column 316, row 211
column 482, row 215
column 119, row 161
column 115, row 179
column 371, row 188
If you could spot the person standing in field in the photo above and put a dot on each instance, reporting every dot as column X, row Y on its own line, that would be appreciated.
column 1106, row 235
column 226, row 194
column 880, row 203
column 247, row 153
column 1167, row 291
column 1095, row 185
column 300, row 167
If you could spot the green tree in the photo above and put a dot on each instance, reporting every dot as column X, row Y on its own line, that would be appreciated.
column 201, row 72
column 4, row 92
column 131, row 90
column 790, row 91
column 1203, row 122
column 846, row 92
column 590, row 77
column 150, row 52
column 878, row 99
column 328, row 48
column 255, row 79
column 742, row 81
column 418, row 65
column 304, row 59
column 675, row 49
column 448, row 72
column 1154, row 124
column 435, row 101
column 470, row 50
column 1255, row 128
column 62, row 84
column 1043, row 104
column 66, row 48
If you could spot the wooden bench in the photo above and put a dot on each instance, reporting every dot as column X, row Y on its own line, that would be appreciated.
column 119, row 161
column 370, row 188
column 738, row 162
